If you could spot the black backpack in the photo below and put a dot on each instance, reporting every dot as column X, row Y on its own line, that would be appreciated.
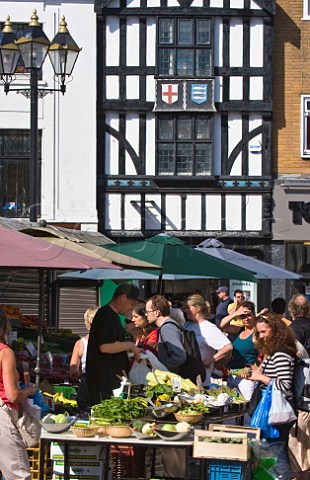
column 194, row 365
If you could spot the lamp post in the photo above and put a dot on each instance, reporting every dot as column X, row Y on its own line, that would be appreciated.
column 33, row 47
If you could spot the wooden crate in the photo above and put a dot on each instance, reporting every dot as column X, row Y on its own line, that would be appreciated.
column 225, row 451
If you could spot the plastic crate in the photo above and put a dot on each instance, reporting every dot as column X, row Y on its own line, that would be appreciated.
column 127, row 462
column 34, row 461
column 229, row 470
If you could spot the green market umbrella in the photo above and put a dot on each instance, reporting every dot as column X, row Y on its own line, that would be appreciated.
column 175, row 257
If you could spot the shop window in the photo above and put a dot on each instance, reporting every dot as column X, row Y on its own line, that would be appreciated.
column 184, row 145
column 184, row 47
column 15, row 172
column 305, row 126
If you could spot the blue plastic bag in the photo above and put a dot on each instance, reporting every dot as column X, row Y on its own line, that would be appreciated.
column 260, row 416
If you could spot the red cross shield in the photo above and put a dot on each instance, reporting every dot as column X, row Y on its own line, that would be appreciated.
column 169, row 93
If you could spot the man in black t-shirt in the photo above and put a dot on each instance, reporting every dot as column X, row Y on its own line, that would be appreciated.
column 107, row 351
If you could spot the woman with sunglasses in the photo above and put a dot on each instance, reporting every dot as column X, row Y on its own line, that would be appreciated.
column 276, row 342
column 244, row 349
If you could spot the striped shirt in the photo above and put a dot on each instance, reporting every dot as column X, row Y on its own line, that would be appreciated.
column 280, row 366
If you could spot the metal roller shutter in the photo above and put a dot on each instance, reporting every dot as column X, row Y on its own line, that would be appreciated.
column 20, row 288
column 73, row 301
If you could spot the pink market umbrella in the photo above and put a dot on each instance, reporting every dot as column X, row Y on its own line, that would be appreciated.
column 18, row 250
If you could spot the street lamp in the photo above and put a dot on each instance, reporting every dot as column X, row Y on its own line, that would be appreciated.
column 33, row 47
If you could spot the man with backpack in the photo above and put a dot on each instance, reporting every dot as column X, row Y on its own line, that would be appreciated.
column 171, row 351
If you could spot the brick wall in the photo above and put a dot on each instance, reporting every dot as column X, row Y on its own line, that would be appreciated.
column 291, row 80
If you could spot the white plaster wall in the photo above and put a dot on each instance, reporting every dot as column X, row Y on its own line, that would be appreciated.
column 235, row 88
column 255, row 159
column 236, row 43
column 236, row 4
column 133, row 3
column 173, row 212
column 153, row 212
column 133, row 212
column 256, row 88
column 233, row 212
column 112, row 41
column 256, row 42
column 173, row 3
column 111, row 145
column 216, row 3
column 133, row 42
column 218, row 42
column 67, row 122
column 153, row 3
column 132, row 87
column 234, row 136
column 193, row 212
column 197, row 3
column 112, row 219
column 150, row 144
column 254, row 6
column 132, row 136
column 254, row 203
column 213, row 212
column 151, row 42
column 150, row 88
column 112, row 87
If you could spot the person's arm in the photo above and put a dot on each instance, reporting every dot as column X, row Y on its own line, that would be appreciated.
column 222, row 352
column 13, row 393
column 75, row 362
column 117, row 347
column 234, row 329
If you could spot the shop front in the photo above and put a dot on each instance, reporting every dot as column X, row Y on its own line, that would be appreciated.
column 291, row 228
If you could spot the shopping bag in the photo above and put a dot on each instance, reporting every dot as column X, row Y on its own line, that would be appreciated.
column 260, row 416
column 139, row 370
column 280, row 409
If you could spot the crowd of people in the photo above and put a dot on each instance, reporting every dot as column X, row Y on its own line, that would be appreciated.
column 236, row 336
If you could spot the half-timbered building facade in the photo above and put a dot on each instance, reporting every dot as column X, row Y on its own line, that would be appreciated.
column 184, row 119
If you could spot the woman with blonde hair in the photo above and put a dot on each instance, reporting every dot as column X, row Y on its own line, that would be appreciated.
column 14, row 463
column 78, row 363
column 213, row 344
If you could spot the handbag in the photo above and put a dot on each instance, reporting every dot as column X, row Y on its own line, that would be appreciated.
column 28, row 421
column 280, row 410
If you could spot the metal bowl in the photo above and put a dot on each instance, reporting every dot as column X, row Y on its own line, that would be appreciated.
column 163, row 410
column 167, row 435
column 59, row 427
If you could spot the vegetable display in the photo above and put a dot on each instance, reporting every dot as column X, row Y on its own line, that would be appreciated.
column 116, row 409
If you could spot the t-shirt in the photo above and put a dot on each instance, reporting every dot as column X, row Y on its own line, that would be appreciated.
column 102, row 368
column 221, row 310
column 210, row 340
column 237, row 321
column 280, row 366
column 244, row 351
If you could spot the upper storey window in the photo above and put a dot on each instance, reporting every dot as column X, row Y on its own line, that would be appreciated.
column 306, row 15
column 184, row 47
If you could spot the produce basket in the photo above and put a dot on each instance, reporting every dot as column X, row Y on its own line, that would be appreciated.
column 225, row 442
column 190, row 418
column 84, row 432
column 118, row 431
